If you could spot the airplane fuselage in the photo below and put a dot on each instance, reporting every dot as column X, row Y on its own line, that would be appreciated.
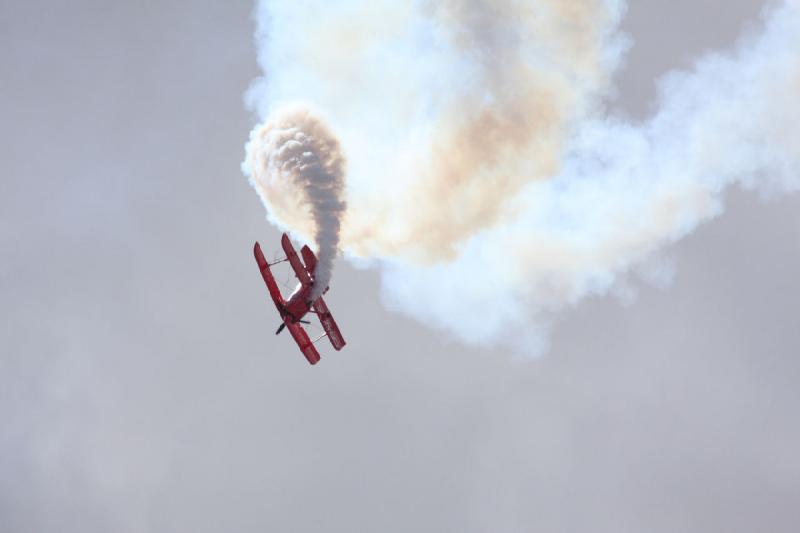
column 299, row 303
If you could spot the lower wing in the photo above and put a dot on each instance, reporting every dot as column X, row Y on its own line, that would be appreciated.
column 303, row 342
column 329, row 324
column 274, row 291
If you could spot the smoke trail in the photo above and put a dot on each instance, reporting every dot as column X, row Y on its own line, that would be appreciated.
column 485, row 177
column 295, row 164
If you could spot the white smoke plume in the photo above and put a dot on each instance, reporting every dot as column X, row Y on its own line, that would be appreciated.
column 486, row 178
column 295, row 164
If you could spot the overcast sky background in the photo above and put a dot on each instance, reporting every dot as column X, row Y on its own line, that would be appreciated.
column 142, row 388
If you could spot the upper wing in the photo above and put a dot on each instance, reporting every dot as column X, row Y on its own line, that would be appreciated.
column 299, row 270
column 329, row 324
column 302, row 340
column 274, row 291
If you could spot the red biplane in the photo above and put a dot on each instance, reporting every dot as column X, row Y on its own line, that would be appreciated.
column 299, row 303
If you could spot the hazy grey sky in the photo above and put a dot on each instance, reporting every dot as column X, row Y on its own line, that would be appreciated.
column 142, row 388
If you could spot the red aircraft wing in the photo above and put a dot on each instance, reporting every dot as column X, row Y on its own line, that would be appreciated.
column 321, row 308
column 302, row 340
column 274, row 291
column 329, row 324
column 299, row 270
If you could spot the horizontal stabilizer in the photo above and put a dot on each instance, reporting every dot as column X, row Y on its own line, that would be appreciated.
column 309, row 259
column 299, row 270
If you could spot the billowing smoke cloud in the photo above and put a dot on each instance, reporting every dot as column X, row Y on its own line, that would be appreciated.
column 486, row 178
column 295, row 164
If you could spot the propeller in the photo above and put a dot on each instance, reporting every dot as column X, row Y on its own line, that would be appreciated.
column 283, row 325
